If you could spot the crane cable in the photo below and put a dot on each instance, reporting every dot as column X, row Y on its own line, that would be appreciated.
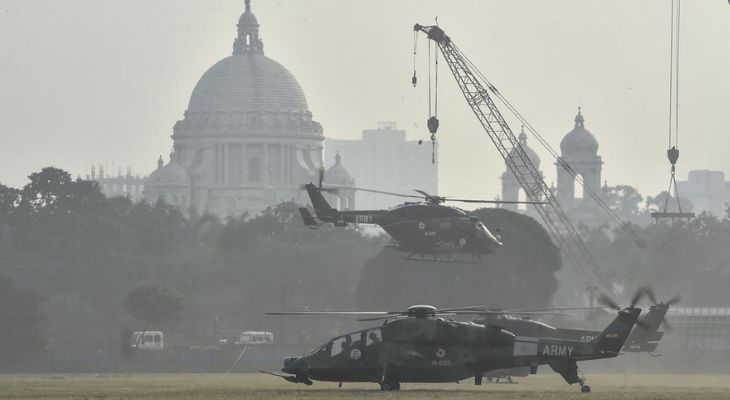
column 433, row 121
column 672, row 150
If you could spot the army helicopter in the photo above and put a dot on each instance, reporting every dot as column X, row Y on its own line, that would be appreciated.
column 419, row 345
column 424, row 228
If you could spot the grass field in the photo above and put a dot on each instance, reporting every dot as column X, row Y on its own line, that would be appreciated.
column 256, row 386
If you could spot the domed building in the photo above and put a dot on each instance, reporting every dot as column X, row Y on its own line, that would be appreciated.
column 510, row 185
column 579, row 150
column 337, row 175
column 247, row 140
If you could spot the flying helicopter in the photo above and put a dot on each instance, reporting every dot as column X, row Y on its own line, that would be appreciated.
column 427, row 229
column 418, row 345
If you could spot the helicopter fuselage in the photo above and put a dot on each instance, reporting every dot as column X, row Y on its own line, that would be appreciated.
column 439, row 350
column 420, row 228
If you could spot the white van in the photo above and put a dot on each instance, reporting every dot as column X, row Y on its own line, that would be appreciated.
column 147, row 340
column 255, row 338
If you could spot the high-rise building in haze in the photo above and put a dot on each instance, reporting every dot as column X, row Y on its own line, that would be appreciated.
column 384, row 160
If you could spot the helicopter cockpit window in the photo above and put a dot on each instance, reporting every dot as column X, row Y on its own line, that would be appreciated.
column 318, row 349
column 338, row 346
column 373, row 336
column 356, row 339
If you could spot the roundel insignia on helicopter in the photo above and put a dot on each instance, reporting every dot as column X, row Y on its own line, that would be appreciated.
column 440, row 353
column 421, row 225
column 355, row 354
column 462, row 242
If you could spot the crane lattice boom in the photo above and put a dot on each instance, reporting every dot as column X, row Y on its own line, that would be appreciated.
column 554, row 218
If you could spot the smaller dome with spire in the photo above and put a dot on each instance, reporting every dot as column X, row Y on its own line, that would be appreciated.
column 579, row 140
column 172, row 174
column 531, row 154
column 338, row 174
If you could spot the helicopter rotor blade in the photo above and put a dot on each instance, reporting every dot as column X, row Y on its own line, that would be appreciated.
column 493, row 201
column 384, row 317
column 637, row 296
column 521, row 310
column 608, row 302
column 507, row 312
column 650, row 294
column 336, row 187
column 674, row 300
column 333, row 313
column 321, row 189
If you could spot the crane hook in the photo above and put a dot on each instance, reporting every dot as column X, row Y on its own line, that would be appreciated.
column 433, row 125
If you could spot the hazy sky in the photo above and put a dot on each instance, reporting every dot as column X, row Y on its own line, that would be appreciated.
column 96, row 81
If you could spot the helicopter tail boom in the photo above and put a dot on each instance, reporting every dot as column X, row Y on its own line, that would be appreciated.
column 612, row 339
column 322, row 208
column 307, row 217
column 325, row 213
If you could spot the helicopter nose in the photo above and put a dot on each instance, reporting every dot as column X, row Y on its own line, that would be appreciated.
column 289, row 366
column 289, row 360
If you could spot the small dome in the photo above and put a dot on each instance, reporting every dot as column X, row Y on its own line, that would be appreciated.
column 579, row 140
column 337, row 173
column 172, row 174
column 247, row 20
column 531, row 154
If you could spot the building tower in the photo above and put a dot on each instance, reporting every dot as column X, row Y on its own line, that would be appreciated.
column 510, row 186
column 247, row 140
column 579, row 149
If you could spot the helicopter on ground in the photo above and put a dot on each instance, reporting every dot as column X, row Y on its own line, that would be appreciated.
column 417, row 345
column 424, row 228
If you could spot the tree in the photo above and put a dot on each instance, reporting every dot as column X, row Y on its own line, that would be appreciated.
column 154, row 304
column 656, row 203
column 9, row 199
column 624, row 200
column 54, row 191
column 21, row 321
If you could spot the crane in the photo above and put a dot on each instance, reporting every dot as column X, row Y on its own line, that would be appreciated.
column 476, row 90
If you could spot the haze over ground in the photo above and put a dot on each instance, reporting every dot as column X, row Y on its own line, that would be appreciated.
column 87, row 81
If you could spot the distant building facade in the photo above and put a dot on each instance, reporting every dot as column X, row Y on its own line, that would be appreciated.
column 247, row 140
column 121, row 185
column 707, row 190
column 384, row 160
